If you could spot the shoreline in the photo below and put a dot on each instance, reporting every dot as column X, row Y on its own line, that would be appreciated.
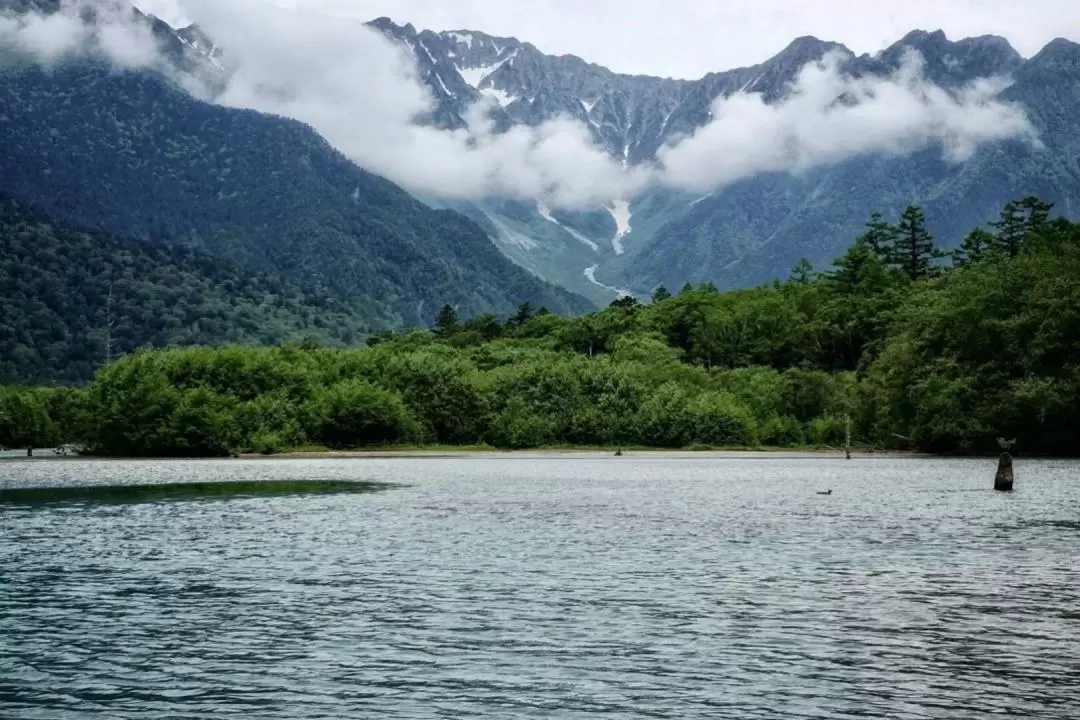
column 583, row 453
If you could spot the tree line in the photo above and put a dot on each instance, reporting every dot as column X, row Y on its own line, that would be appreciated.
column 916, row 349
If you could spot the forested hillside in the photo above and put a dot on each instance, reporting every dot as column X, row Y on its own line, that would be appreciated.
column 131, row 154
column 916, row 350
column 70, row 299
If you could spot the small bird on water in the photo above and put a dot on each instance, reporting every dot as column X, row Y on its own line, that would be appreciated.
column 825, row 492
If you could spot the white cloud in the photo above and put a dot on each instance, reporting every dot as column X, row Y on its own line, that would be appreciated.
column 52, row 37
column 895, row 115
column 362, row 93
column 688, row 38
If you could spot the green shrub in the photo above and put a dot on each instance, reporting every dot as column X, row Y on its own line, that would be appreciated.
column 356, row 413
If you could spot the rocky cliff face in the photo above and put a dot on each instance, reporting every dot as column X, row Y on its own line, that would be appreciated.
column 756, row 229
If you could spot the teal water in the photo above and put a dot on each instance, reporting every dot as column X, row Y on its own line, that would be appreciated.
column 638, row 587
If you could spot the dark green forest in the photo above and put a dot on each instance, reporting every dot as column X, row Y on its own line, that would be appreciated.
column 918, row 350
column 71, row 299
column 132, row 154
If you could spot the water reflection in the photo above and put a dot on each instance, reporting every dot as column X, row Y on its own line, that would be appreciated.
column 179, row 491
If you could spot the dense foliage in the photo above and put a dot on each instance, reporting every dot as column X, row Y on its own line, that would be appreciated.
column 945, row 362
column 69, row 300
column 130, row 153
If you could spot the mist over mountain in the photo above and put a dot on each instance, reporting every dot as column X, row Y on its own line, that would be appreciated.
column 606, row 183
column 106, row 141
column 757, row 222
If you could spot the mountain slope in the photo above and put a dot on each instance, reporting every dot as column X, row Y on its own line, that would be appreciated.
column 756, row 229
column 69, row 299
column 132, row 154
column 265, row 191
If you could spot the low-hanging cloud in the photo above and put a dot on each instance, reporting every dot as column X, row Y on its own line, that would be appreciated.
column 49, row 38
column 829, row 117
column 363, row 93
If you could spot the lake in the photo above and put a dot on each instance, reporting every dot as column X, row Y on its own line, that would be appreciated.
column 647, row 586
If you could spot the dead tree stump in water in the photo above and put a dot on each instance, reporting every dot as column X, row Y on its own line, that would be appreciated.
column 1003, row 482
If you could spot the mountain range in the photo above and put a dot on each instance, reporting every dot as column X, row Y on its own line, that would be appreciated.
column 754, row 230
column 133, row 154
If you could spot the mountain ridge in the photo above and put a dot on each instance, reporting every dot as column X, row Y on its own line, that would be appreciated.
column 746, row 232
column 671, row 241
column 133, row 153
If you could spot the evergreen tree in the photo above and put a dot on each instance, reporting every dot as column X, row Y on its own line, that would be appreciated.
column 1038, row 213
column 913, row 251
column 1012, row 229
column 660, row 294
column 977, row 246
column 1019, row 220
column 626, row 302
column 446, row 321
column 803, row 273
column 880, row 236
column 487, row 325
column 850, row 267
column 523, row 315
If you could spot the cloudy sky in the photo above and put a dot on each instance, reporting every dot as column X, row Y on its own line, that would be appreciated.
column 363, row 93
column 687, row 38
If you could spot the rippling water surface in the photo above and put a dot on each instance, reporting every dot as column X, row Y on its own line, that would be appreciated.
column 639, row 587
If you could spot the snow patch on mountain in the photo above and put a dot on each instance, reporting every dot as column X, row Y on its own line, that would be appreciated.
column 464, row 38
column 512, row 237
column 427, row 52
column 620, row 211
column 545, row 212
column 476, row 75
column 500, row 96
column 749, row 85
column 590, row 275
column 443, row 85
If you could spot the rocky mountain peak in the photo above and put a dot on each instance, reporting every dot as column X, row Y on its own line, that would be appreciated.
column 953, row 63
column 388, row 27
column 806, row 49
column 924, row 38
column 1060, row 54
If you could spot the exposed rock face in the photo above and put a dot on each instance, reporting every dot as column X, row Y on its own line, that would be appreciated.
column 754, row 230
